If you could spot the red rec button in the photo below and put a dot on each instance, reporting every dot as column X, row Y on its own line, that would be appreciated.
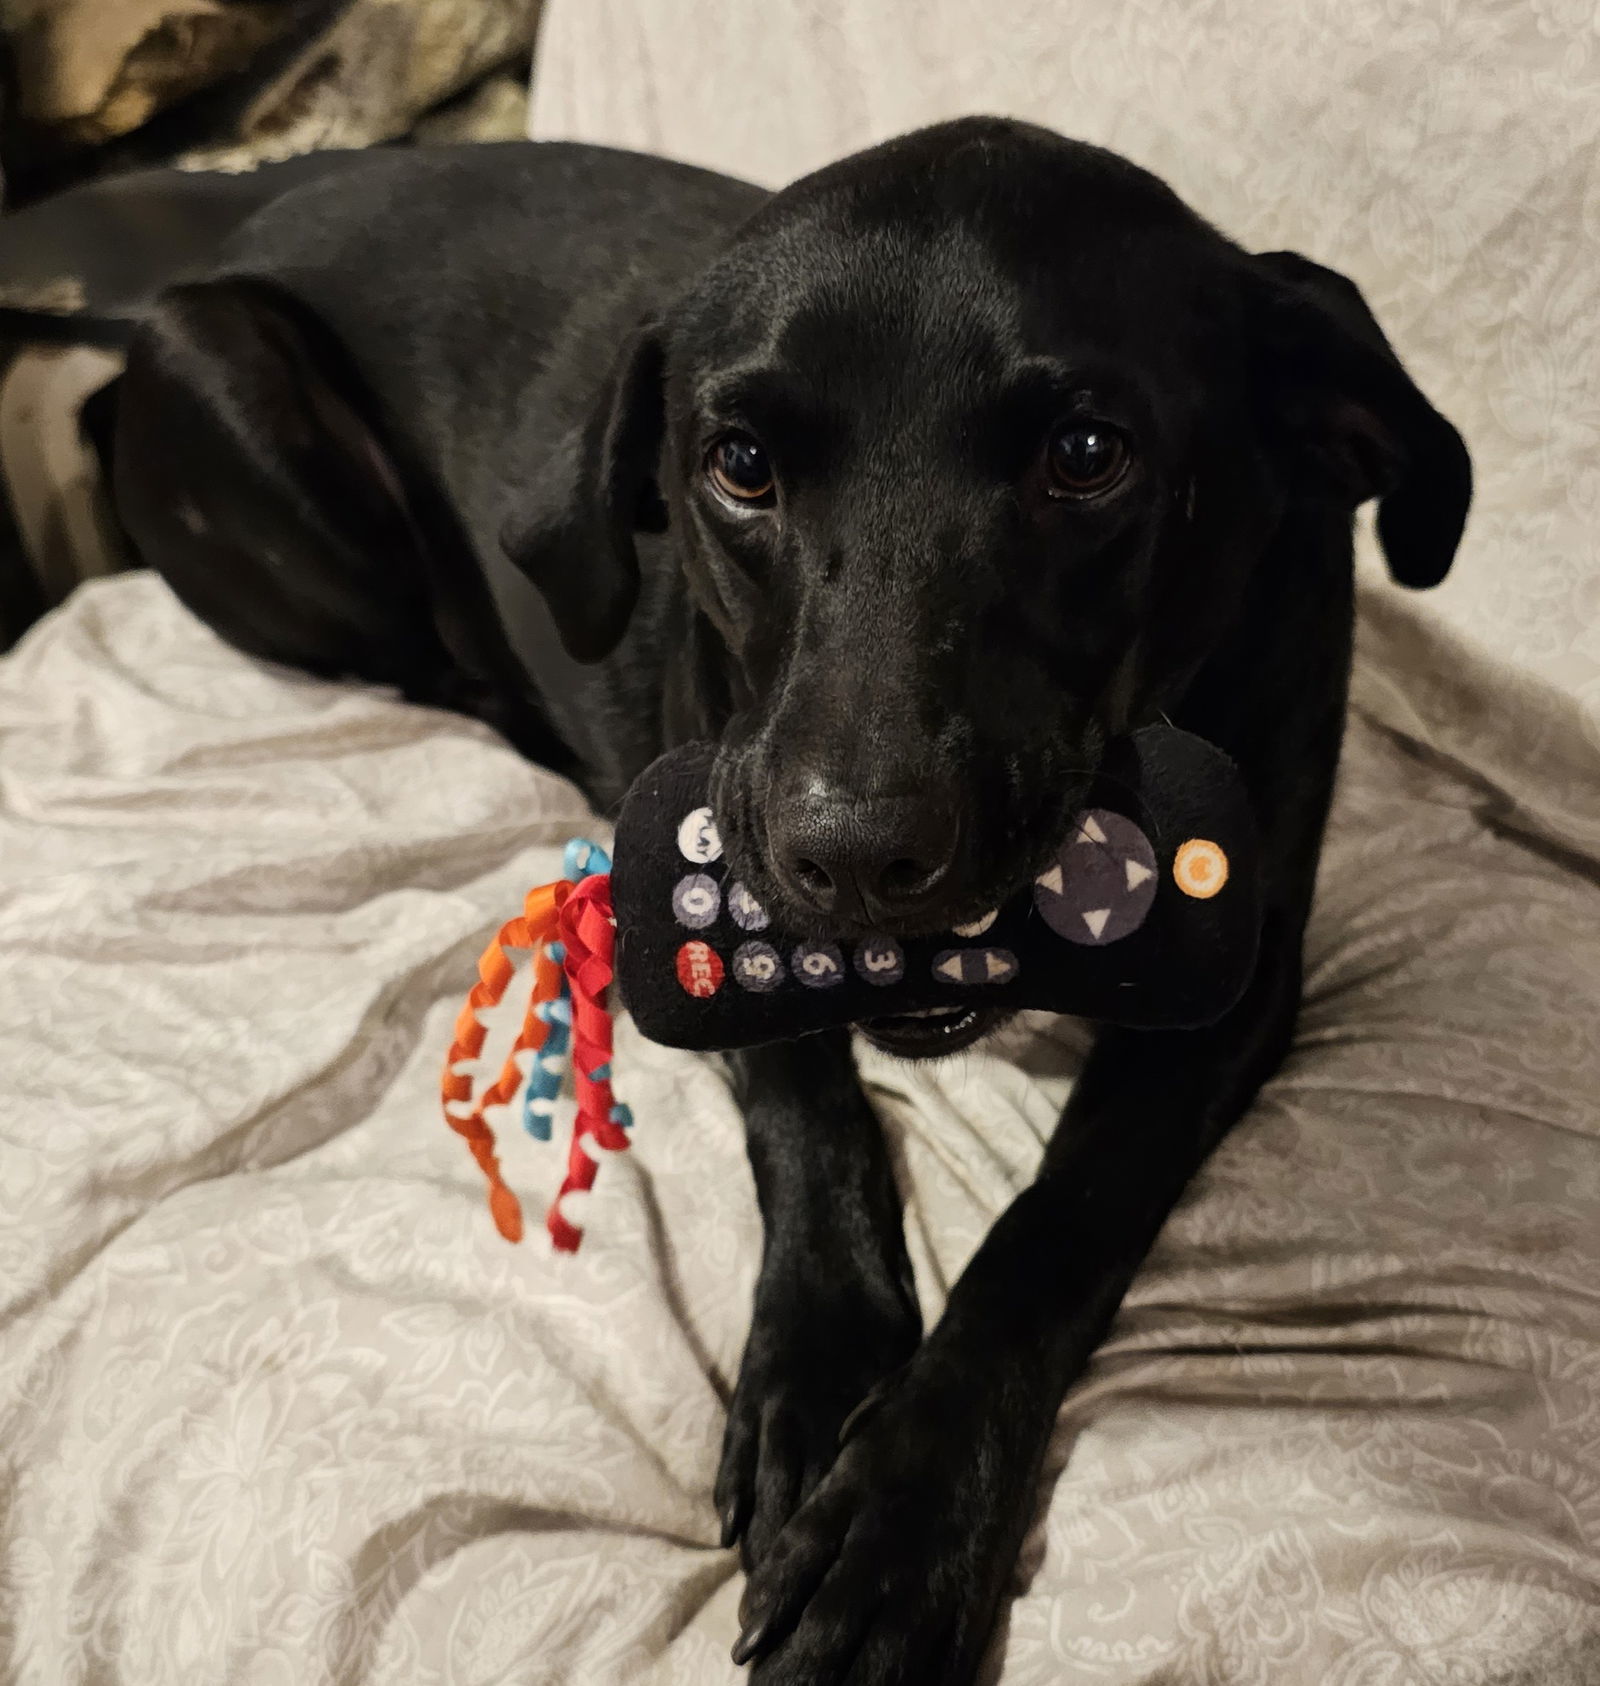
column 699, row 970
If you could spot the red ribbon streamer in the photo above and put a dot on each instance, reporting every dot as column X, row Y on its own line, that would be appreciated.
column 589, row 935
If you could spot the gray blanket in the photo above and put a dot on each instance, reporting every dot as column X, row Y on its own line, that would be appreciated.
column 278, row 1407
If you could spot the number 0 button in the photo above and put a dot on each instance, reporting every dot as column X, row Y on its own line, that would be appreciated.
column 695, row 900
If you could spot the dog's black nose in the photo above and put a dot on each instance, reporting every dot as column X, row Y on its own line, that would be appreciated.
column 870, row 860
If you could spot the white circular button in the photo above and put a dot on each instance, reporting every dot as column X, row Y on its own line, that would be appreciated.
column 698, row 838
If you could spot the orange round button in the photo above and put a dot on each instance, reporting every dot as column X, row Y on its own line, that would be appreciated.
column 1199, row 868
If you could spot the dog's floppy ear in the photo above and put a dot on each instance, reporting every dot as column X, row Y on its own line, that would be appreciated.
column 1340, row 389
column 571, row 530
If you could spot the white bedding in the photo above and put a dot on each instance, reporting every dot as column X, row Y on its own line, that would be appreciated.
column 277, row 1406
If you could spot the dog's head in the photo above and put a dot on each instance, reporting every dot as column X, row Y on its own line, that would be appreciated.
column 969, row 445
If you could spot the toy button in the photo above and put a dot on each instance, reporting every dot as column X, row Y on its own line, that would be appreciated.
column 698, row 838
column 758, row 967
column 1103, row 882
column 748, row 913
column 1200, row 868
column 695, row 900
column 699, row 970
column 975, row 966
column 880, row 961
column 817, row 966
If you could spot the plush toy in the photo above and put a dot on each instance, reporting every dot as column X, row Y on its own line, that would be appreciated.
column 1148, row 915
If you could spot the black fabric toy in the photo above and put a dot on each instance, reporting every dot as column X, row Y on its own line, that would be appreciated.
column 1148, row 915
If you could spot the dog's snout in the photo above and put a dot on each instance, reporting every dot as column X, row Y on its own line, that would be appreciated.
column 870, row 860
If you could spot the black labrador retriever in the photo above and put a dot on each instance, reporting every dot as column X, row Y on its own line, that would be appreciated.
column 910, row 485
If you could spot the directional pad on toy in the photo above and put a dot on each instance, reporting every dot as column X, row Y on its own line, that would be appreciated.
column 1103, row 881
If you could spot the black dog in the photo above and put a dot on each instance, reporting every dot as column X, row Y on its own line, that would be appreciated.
column 910, row 484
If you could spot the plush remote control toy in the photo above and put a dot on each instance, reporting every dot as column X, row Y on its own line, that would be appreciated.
column 1148, row 915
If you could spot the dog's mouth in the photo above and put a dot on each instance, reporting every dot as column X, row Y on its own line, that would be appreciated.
column 932, row 1034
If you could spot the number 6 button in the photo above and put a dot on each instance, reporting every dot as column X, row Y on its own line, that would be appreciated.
column 818, row 966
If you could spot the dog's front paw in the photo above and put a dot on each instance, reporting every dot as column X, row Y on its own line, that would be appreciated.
column 891, row 1573
column 813, row 1354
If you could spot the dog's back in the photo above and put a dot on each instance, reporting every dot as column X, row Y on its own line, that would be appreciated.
column 457, row 309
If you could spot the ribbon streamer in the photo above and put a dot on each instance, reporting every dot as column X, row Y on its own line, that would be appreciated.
column 571, row 929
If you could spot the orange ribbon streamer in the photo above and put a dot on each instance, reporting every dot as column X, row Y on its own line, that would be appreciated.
column 535, row 926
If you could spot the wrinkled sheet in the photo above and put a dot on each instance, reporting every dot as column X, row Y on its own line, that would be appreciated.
column 277, row 1407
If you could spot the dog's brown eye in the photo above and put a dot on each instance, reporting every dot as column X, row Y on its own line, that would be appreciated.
column 1085, row 459
column 739, row 468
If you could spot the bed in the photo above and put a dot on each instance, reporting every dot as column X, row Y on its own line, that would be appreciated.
column 278, row 1407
